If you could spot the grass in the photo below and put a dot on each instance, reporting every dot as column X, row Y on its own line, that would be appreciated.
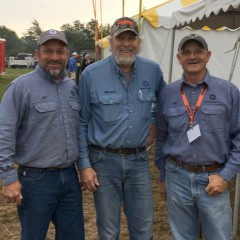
column 10, row 75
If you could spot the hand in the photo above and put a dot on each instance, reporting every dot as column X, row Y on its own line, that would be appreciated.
column 163, row 192
column 216, row 185
column 12, row 193
column 151, row 134
column 89, row 179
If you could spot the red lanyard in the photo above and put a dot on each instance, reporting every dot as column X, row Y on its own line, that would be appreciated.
column 199, row 101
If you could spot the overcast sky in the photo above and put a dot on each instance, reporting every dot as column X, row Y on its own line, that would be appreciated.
column 18, row 15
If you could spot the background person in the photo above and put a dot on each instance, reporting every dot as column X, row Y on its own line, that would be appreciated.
column 86, row 61
column 73, row 66
column 38, row 131
column 198, row 143
column 116, row 125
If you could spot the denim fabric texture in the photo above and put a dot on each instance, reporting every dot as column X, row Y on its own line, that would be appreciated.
column 125, row 181
column 50, row 195
column 187, row 201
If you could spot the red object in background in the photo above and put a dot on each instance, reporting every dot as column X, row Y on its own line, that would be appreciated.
column 2, row 55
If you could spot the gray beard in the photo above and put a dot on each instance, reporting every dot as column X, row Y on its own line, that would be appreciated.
column 125, row 61
column 55, row 73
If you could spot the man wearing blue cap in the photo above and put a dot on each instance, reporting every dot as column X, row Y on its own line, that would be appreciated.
column 198, row 146
column 38, row 131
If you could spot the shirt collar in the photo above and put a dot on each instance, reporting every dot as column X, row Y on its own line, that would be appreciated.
column 205, row 80
column 46, row 75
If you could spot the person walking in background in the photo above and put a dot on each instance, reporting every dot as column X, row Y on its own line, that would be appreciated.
column 86, row 61
column 116, row 125
column 198, row 146
column 38, row 131
column 73, row 66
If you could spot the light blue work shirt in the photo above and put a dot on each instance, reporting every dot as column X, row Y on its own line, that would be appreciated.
column 39, row 119
column 117, row 113
column 219, row 121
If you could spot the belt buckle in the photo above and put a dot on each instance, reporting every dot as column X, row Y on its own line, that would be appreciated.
column 197, row 169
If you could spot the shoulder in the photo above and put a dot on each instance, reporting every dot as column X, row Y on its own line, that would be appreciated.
column 99, row 65
column 172, row 87
column 222, row 85
column 146, row 61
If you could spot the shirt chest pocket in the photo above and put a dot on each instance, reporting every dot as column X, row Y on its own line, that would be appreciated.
column 178, row 119
column 46, row 115
column 147, row 99
column 110, row 107
column 212, row 117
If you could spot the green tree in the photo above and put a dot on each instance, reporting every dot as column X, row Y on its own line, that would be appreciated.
column 13, row 43
column 30, row 38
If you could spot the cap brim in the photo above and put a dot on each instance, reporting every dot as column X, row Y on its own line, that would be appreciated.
column 124, row 30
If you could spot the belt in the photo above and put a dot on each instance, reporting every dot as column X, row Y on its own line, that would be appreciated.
column 44, row 169
column 197, row 168
column 121, row 151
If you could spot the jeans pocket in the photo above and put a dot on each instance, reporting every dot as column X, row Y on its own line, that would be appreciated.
column 94, row 155
column 144, row 156
column 171, row 167
column 31, row 174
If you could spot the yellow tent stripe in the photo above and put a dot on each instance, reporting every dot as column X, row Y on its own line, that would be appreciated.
column 151, row 16
column 188, row 2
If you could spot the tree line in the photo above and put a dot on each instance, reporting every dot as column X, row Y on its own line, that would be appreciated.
column 80, row 36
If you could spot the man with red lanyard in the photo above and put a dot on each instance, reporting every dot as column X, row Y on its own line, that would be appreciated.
column 198, row 146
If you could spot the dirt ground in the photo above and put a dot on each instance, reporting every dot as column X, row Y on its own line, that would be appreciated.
column 10, row 228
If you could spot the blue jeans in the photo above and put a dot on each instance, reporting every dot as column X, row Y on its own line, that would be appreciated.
column 188, row 203
column 124, row 179
column 50, row 195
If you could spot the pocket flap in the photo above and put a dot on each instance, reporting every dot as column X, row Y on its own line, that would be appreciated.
column 45, row 106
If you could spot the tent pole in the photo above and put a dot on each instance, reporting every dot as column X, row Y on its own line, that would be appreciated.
column 139, row 15
column 236, row 206
column 171, row 54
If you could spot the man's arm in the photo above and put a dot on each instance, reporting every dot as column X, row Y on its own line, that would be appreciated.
column 10, row 112
column 87, row 175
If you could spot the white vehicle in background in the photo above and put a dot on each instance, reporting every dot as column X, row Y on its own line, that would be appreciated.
column 23, row 60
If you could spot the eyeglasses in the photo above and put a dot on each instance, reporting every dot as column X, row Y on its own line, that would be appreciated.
column 196, row 52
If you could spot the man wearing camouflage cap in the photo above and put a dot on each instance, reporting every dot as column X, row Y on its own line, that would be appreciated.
column 117, row 124
column 38, row 132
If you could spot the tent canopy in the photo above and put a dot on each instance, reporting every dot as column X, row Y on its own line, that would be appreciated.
column 222, row 12
column 160, row 16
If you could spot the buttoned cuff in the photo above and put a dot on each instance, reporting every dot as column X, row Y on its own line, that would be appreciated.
column 83, row 163
column 9, row 177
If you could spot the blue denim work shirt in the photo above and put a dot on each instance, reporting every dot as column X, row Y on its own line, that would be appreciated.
column 219, row 121
column 116, row 113
column 38, row 123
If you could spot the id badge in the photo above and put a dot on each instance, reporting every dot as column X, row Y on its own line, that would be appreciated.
column 193, row 133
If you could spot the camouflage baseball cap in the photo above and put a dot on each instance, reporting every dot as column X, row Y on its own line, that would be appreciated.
column 52, row 34
column 124, row 24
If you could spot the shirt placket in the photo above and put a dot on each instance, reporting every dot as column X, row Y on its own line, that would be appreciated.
column 65, row 117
